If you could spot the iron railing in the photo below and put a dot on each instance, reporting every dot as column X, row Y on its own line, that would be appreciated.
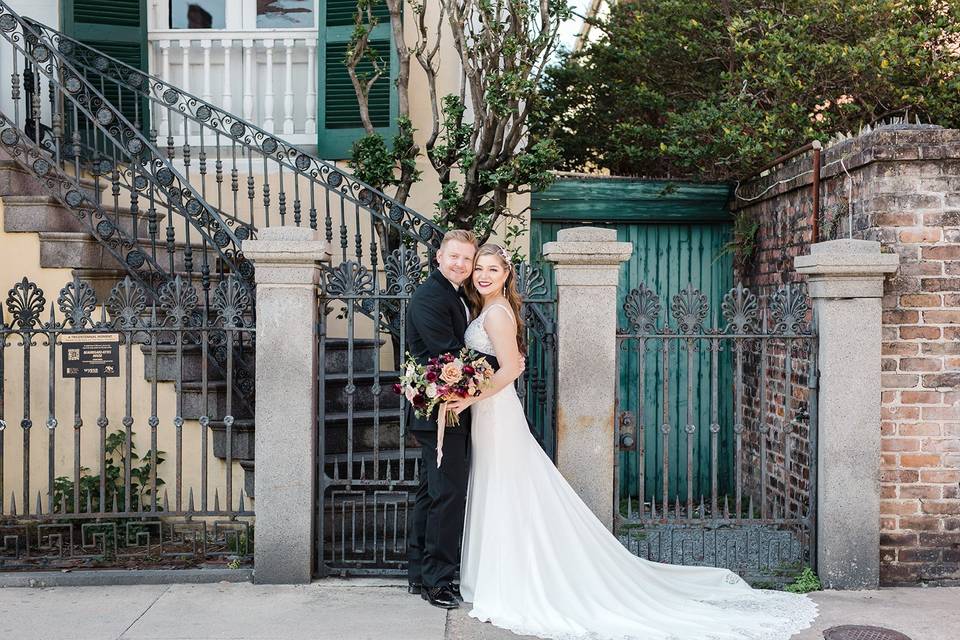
column 101, row 500
column 304, row 190
column 717, row 432
column 70, row 114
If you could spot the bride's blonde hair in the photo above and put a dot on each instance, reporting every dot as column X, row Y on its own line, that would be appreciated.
column 510, row 291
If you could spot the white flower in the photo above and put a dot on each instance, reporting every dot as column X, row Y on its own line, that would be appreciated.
column 432, row 390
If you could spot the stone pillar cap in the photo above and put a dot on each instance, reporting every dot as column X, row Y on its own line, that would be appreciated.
column 587, row 246
column 287, row 244
column 587, row 234
column 846, row 257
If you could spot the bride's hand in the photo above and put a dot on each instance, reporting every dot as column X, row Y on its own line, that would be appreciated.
column 459, row 405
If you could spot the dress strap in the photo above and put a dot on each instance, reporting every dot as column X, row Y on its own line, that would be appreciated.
column 504, row 307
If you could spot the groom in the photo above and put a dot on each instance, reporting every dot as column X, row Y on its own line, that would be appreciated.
column 436, row 321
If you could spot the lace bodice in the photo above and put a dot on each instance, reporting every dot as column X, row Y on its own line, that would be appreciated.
column 476, row 336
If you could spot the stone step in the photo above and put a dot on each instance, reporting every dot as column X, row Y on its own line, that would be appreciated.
column 191, row 367
column 15, row 180
column 248, row 477
column 336, row 356
column 192, row 401
column 103, row 281
column 73, row 249
column 43, row 213
column 337, row 397
column 387, row 433
column 241, row 439
column 365, row 433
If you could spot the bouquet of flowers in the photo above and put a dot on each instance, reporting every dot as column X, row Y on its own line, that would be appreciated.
column 442, row 379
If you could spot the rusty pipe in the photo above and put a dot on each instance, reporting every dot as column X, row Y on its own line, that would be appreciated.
column 815, row 223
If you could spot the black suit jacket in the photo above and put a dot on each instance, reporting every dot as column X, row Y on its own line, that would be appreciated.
column 436, row 322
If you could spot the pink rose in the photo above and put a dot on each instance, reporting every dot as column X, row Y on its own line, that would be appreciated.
column 450, row 373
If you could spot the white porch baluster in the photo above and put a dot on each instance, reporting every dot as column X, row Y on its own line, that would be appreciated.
column 268, row 89
column 226, row 100
column 248, row 80
column 164, row 129
column 185, row 82
column 311, row 102
column 207, row 94
column 288, row 93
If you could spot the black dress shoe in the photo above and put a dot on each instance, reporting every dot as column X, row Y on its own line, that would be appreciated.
column 440, row 597
column 414, row 588
column 455, row 590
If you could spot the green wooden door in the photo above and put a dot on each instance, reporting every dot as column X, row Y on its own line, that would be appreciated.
column 119, row 29
column 678, row 234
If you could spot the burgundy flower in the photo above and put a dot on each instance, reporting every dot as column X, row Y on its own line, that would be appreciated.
column 447, row 357
column 419, row 401
column 433, row 361
column 463, row 393
column 468, row 370
column 431, row 376
column 397, row 388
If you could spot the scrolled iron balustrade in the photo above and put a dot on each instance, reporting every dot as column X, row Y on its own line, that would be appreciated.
column 90, row 140
column 202, row 119
column 80, row 116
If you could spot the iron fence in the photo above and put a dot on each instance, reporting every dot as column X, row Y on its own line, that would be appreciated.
column 94, row 497
column 717, row 431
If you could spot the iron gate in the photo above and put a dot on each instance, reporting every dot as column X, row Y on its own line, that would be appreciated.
column 370, row 470
column 757, row 367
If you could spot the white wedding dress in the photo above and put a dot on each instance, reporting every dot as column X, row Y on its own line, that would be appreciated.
column 536, row 560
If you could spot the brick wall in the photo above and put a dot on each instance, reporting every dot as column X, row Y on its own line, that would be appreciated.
column 900, row 186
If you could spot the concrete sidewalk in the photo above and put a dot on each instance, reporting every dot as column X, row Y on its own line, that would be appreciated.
column 362, row 610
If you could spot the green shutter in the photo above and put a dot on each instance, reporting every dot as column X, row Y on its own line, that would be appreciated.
column 338, row 113
column 117, row 28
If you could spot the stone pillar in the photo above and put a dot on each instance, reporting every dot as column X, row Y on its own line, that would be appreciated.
column 846, row 284
column 587, row 272
column 287, row 261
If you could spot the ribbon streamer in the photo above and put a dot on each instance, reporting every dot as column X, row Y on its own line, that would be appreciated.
column 441, row 427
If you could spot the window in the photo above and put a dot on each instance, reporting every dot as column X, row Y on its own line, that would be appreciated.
column 198, row 14
column 284, row 14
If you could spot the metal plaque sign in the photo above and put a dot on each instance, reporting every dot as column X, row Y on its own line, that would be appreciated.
column 91, row 355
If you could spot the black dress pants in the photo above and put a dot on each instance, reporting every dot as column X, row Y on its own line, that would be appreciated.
column 434, row 553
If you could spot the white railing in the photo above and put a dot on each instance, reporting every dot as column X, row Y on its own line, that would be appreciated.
column 266, row 76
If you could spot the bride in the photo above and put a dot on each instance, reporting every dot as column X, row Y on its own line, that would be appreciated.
column 536, row 561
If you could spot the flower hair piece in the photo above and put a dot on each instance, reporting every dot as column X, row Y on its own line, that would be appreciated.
column 503, row 254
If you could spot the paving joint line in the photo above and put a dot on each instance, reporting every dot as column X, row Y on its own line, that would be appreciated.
column 144, row 612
